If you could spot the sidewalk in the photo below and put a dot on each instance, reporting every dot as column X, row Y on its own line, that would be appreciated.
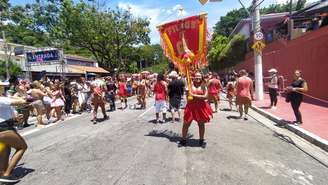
column 315, row 119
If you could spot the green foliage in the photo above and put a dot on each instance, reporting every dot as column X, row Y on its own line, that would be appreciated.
column 216, row 46
column 158, row 68
column 4, row 5
column 14, row 69
column 233, row 53
column 224, row 52
column 300, row 4
column 110, row 36
column 152, row 54
column 228, row 22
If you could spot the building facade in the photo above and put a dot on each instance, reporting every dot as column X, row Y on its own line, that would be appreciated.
column 65, row 66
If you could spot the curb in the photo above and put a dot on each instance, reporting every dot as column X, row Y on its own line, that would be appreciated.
column 314, row 139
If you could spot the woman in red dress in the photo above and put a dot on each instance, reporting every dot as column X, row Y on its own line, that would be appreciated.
column 197, row 109
column 123, row 92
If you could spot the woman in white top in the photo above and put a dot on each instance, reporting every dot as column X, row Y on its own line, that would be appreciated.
column 9, row 138
column 83, row 89
column 273, row 87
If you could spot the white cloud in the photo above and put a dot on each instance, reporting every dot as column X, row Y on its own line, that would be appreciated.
column 169, row 11
column 155, row 15
column 180, row 10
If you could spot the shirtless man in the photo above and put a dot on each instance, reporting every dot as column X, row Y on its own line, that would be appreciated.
column 36, row 95
column 142, row 92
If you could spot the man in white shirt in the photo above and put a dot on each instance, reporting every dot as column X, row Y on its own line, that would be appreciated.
column 9, row 138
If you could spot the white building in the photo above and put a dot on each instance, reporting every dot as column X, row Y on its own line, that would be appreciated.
column 71, row 65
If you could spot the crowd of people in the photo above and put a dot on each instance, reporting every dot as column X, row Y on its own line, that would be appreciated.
column 56, row 100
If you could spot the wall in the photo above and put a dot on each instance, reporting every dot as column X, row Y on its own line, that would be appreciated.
column 308, row 53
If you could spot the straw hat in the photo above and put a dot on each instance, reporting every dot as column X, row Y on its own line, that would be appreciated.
column 273, row 70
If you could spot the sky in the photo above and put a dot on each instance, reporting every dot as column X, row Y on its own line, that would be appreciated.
column 159, row 11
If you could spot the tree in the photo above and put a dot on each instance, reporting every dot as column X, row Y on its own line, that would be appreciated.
column 228, row 22
column 216, row 46
column 4, row 5
column 231, row 54
column 14, row 69
column 29, row 24
column 226, row 51
column 300, row 4
column 110, row 36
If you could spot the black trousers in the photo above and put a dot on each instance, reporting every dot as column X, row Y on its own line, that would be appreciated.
column 296, row 103
column 68, row 105
column 273, row 96
column 112, row 105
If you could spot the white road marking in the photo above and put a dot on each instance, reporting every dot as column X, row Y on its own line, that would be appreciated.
column 30, row 132
column 47, row 126
column 145, row 112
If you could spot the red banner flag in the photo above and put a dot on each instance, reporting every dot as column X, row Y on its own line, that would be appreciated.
column 194, row 31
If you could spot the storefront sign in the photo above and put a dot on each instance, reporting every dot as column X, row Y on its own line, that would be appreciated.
column 43, row 56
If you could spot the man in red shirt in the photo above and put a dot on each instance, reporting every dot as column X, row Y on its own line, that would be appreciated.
column 160, row 90
column 214, row 87
column 244, row 94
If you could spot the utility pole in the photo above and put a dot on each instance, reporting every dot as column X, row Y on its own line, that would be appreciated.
column 259, row 95
column 62, row 60
column 6, row 54
column 256, row 27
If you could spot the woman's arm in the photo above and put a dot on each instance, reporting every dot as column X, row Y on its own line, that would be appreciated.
column 16, row 101
column 41, row 93
column 203, row 97
column 301, row 89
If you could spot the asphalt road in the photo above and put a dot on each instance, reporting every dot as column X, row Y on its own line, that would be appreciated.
column 130, row 149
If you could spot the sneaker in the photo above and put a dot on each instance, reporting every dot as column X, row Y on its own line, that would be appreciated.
column 274, row 108
column 296, row 123
column 183, row 142
column 26, row 125
column 202, row 143
column 94, row 121
column 106, row 117
column 8, row 179
column 245, row 118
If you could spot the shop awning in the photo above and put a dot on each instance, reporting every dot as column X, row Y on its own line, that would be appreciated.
column 86, row 69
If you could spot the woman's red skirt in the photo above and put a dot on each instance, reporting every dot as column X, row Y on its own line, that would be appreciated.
column 198, row 110
column 122, row 94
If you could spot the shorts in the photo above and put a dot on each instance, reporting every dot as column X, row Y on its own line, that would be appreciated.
column 243, row 101
column 213, row 97
column 38, row 105
column 7, row 125
column 47, row 100
column 160, row 106
column 175, row 103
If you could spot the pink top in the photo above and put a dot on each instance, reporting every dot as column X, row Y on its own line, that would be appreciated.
column 160, row 90
column 244, row 85
column 214, row 86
